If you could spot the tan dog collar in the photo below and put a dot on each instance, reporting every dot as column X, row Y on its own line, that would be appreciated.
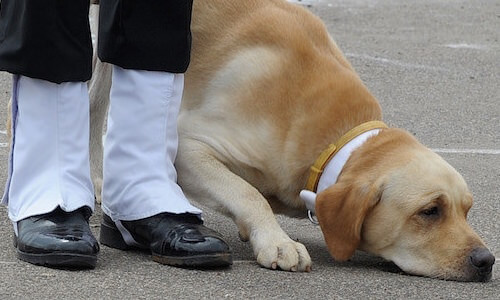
column 325, row 156
column 332, row 160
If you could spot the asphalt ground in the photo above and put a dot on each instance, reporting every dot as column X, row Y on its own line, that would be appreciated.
column 434, row 65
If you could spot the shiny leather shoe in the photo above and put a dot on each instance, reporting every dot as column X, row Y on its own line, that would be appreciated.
column 57, row 239
column 178, row 240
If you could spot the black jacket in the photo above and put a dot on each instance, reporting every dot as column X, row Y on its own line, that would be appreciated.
column 50, row 39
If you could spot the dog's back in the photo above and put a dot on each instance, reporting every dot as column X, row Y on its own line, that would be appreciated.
column 256, row 67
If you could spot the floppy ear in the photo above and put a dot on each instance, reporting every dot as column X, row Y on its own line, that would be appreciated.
column 341, row 210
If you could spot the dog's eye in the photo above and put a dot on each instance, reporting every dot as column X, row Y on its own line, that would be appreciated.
column 430, row 212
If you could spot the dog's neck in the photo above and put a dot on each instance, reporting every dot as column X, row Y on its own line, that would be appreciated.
column 327, row 168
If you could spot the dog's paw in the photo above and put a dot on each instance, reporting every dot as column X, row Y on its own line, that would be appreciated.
column 286, row 255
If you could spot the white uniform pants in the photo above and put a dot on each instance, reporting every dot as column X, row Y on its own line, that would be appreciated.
column 141, row 144
column 48, row 165
column 49, row 161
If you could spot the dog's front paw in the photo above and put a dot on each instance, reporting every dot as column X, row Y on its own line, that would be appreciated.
column 286, row 255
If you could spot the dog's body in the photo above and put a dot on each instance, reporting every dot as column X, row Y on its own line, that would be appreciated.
column 266, row 92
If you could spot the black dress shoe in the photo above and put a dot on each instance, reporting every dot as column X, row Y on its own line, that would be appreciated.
column 57, row 239
column 174, row 239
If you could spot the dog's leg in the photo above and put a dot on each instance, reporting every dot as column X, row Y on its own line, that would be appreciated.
column 206, row 179
column 99, row 87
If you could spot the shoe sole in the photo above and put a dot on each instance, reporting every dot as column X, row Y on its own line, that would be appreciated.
column 58, row 260
column 110, row 236
column 216, row 260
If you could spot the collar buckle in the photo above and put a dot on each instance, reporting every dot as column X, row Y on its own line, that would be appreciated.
column 312, row 217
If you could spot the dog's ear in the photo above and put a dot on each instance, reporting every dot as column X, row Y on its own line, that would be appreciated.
column 341, row 210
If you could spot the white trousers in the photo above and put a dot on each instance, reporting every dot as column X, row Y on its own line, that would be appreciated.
column 141, row 145
column 49, row 161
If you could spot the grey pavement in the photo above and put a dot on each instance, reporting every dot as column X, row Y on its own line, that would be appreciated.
column 435, row 67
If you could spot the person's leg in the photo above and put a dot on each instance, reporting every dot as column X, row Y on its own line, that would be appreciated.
column 141, row 144
column 143, row 205
column 146, row 35
column 49, row 192
column 48, row 39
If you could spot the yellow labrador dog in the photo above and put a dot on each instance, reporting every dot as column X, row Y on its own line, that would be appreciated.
column 274, row 115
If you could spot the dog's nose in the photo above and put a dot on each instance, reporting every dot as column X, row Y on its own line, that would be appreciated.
column 483, row 260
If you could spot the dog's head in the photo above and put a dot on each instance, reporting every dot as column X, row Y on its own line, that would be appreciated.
column 397, row 199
